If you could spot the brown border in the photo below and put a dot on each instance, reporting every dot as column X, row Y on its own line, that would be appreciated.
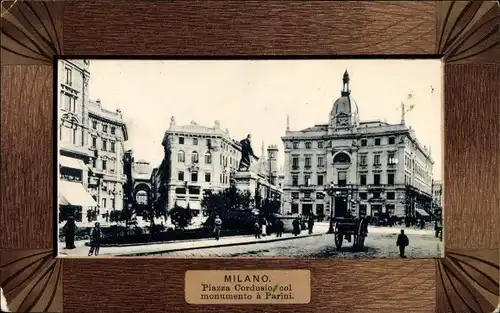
column 464, row 33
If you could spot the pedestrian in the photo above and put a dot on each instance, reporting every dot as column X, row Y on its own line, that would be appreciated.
column 296, row 226
column 264, row 227
column 422, row 224
column 69, row 232
column 217, row 227
column 310, row 224
column 95, row 239
column 279, row 228
column 257, row 230
column 402, row 242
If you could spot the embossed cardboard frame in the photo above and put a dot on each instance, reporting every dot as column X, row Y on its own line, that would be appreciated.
column 465, row 34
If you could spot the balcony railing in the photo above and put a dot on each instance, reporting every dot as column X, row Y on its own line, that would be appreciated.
column 295, row 168
column 376, row 200
column 376, row 186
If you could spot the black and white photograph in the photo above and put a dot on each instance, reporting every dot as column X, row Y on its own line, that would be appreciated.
column 301, row 158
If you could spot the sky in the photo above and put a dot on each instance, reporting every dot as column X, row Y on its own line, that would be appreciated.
column 255, row 96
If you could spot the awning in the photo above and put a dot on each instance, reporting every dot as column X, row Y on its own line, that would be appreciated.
column 74, row 193
column 194, row 205
column 421, row 212
column 72, row 163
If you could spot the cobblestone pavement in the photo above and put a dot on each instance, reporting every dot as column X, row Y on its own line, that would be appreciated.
column 380, row 243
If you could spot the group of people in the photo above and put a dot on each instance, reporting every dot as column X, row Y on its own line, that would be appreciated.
column 95, row 236
column 299, row 224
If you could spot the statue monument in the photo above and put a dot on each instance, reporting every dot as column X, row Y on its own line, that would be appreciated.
column 246, row 154
column 244, row 178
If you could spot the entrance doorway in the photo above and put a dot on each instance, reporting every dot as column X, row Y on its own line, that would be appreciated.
column 320, row 211
column 306, row 208
column 340, row 206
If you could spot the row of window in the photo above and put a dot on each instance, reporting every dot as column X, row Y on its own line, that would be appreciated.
column 105, row 202
column 419, row 170
column 194, row 177
column 362, row 195
column 320, row 209
column 363, row 160
column 364, row 143
column 105, row 165
column 342, row 179
column 181, row 158
column 208, row 142
column 104, row 128
column 104, row 144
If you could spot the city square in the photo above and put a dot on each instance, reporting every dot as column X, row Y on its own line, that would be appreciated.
column 342, row 189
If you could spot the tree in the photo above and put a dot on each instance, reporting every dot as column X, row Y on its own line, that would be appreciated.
column 270, row 209
column 180, row 217
column 126, row 215
column 233, row 206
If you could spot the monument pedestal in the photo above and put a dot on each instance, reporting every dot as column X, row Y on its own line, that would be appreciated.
column 246, row 181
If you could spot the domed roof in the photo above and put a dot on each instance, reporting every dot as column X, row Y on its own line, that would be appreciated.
column 345, row 104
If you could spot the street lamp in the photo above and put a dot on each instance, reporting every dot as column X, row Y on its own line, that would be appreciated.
column 330, row 191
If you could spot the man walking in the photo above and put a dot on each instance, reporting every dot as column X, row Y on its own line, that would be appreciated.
column 95, row 239
column 257, row 230
column 279, row 228
column 217, row 227
column 402, row 242
column 310, row 224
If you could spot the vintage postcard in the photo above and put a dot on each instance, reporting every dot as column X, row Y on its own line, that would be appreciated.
column 250, row 158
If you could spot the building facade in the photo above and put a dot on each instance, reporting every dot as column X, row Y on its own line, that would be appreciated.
column 370, row 167
column 437, row 194
column 74, row 155
column 198, row 158
column 107, row 137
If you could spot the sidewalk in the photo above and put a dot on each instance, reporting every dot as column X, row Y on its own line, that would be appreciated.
column 144, row 250
column 397, row 230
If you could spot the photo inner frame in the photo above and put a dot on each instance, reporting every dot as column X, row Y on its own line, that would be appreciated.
column 345, row 180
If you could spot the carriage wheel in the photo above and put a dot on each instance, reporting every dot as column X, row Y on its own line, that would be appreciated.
column 360, row 242
column 339, row 238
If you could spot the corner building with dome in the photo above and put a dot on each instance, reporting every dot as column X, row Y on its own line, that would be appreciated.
column 366, row 167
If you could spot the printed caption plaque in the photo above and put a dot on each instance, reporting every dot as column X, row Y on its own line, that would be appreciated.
column 248, row 287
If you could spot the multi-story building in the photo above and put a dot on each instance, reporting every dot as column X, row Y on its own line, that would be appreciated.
column 141, row 176
column 437, row 194
column 198, row 158
column 74, row 155
column 370, row 167
column 107, row 136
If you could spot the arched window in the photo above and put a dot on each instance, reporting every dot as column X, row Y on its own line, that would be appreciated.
column 208, row 158
column 181, row 157
column 141, row 197
column 194, row 157
column 342, row 157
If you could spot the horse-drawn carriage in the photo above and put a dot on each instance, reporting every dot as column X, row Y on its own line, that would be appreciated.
column 352, row 229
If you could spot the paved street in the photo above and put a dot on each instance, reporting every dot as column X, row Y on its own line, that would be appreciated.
column 380, row 243
column 158, row 248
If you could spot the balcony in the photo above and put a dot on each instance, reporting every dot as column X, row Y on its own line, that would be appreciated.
column 295, row 168
column 307, row 187
column 376, row 200
column 376, row 186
